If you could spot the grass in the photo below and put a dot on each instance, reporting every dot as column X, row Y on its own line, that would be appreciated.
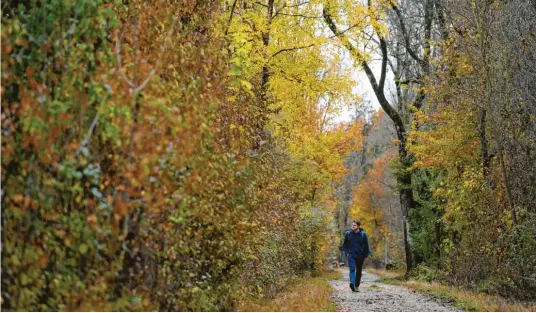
column 471, row 300
column 465, row 299
column 392, row 276
column 331, row 275
column 306, row 295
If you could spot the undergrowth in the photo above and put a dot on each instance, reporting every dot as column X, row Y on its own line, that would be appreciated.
column 305, row 295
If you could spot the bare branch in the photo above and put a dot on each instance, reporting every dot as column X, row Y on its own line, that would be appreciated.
column 87, row 139
column 119, row 62
column 140, row 87
column 410, row 80
column 344, row 31
column 290, row 49
column 297, row 5
column 297, row 15
column 231, row 16
column 405, row 35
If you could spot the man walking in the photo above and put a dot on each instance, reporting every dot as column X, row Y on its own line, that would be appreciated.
column 356, row 247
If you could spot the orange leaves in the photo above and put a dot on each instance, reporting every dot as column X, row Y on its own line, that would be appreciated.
column 92, row 220
column 30, row 141
column 348, row 138
column 18, row 198
column 120, row 207
column 27, row 202
column 374, row 186
column 43, row 261
column 24, row 202
column 29, row 76
column 166, row 227
column 73, row 146
column 6, row 46
column 29, row 72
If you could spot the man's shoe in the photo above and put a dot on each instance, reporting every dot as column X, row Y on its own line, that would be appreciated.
column 352, row 287
column 356, row 289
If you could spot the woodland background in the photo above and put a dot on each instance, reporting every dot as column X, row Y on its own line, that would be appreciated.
column 183, row 155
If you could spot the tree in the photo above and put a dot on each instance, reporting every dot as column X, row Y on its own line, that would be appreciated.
column 461, row 138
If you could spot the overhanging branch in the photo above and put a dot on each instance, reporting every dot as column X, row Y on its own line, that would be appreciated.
column 360, row 58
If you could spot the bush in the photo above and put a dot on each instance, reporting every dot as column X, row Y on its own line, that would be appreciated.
column 424, row 273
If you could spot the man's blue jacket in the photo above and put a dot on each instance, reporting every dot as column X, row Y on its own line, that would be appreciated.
column 356, row 244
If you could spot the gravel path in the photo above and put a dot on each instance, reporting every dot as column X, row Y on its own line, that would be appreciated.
column 375, row 296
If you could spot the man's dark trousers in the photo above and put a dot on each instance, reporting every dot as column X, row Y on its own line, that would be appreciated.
column 356, row 267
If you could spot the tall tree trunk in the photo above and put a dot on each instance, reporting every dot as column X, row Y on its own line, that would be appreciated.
column 407, row 246
column 404, row 180
column 406, row 203
column 486, row 160
column 266, row 41
column 265, row 76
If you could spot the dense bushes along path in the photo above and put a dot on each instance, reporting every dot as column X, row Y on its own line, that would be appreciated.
column 375, row 296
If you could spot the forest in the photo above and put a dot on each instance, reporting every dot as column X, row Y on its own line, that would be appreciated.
column 187, row 155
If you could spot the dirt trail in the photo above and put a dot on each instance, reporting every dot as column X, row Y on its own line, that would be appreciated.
column 375, row 296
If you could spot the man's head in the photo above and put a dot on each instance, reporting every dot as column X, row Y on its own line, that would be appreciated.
column 356, row 224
